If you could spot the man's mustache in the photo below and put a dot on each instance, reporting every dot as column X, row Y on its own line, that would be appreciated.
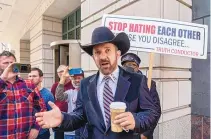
column 103, row 61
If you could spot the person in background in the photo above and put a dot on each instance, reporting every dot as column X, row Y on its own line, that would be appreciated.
column 63, row 106
column 36, row 76
column 131, row 62
column 19, row 101
column 70, row 97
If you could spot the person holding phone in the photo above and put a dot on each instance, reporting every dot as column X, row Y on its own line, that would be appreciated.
column 19, row 101
column 70, row 96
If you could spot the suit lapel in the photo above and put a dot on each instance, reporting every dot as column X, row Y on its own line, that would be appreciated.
column 92, row 91
column 123, row 86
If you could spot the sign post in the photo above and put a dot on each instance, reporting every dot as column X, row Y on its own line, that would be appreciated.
column 151, row 61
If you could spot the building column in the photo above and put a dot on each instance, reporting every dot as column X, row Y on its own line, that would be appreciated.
column 24, row 55
column 63, row 53
column 46, row 30
column 25, row 51
column 74, row 54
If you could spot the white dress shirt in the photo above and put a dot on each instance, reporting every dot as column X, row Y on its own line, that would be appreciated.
column 100, row 86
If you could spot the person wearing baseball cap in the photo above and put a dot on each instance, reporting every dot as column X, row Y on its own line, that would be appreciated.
column 70, row 96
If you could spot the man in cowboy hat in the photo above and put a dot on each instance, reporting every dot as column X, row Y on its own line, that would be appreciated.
column 131, row 62
column 110, row 84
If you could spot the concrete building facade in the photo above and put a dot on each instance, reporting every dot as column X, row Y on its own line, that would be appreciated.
column 200, row 104
column 35, row 31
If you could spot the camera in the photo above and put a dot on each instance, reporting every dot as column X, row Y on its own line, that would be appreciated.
column 21, row 68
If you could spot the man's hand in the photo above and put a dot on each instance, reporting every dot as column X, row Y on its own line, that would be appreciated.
column 64, row 76
column 125, row 120
column 33, row 134
column 8, row 74
column 49, row 119
column 143, row 137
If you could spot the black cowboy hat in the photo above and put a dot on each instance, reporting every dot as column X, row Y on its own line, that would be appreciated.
column 104, row 35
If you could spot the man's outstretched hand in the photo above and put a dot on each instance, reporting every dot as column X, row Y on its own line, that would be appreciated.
column 49, row 119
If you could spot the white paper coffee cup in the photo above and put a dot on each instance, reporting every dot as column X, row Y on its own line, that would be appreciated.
column 116, row 108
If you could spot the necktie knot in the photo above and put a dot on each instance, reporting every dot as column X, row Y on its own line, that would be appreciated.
column 106, row 78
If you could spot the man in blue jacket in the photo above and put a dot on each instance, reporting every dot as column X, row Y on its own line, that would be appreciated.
column 110, row 84
column 131, row 62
